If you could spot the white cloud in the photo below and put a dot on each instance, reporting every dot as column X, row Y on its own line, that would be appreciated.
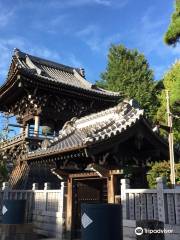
column 148, row 38
column 51, row 24
column 92, row 36
column 43, row 52
column 6, row 15
column 72, row 60
column 81, row 3
column 78, row 3
column 6, row 48
column 103, row 2
column 148, row 35
column 120, row 3
column 5, row 18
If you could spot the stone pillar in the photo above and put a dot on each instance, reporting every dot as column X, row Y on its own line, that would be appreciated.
column 60, row 224
column 125, row 184
column 160, row 198
column 5, row 186
column 36, row 126
column 5, row 189
column 47, row 186
column 35, row 186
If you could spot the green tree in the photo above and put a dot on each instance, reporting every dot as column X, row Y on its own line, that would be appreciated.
column 3, row 171
column 3, row 168
column 172, row 35
column 162, row 169
column 171, row 82
column 128, row 72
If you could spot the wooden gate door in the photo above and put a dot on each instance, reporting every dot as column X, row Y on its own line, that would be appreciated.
column 86, row 191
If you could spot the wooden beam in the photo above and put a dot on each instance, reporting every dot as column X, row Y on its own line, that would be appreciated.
column 116, row 172
column 62, row 175
column 101, row 171
column 84, row 175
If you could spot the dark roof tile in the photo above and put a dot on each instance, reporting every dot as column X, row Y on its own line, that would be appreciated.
column 58, row 73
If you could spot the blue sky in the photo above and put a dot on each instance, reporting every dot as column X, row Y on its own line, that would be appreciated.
column 79, row 32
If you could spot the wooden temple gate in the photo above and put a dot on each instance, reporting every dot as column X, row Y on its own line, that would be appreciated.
column 89, row 187
column 75, row 125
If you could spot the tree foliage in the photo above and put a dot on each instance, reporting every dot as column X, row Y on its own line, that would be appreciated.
column 171, row 82
column 3, row 167
column 128, row 72
column 172, row 35
column 3, row 171
column 162, row 169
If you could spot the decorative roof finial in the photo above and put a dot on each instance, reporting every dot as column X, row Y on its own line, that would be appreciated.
column 82, row 72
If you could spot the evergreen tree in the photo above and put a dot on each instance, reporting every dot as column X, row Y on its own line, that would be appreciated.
column 171, row 82
column 128, row 72
column 161, row 169
column 3, row 167
column 172, row 35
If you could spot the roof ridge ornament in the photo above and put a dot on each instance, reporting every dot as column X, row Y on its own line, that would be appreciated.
column 16, row 51
column 134, row 103
column 81, row 78
column 82, row 72
column 70, row 124
column 106, row 91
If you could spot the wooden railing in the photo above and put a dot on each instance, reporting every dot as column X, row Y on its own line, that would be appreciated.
column 12, row 141
column 30, row 134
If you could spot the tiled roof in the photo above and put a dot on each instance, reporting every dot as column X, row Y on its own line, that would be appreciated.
column 59, row 73
column 94, row 128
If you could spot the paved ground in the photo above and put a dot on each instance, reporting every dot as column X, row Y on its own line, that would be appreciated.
column 49, row 239
column 53, row 239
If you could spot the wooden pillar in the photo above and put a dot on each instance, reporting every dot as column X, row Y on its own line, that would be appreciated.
column 111, row 188
column 27, row 130
column 36, row 125
column 69, row 208
column 21, row 129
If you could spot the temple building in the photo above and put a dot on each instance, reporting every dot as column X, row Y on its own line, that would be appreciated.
column 75, row 132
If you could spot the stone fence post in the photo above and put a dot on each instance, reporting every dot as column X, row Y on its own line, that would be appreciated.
column 5, row 186
column 161, row 185
column 5, row 189
column 35, row 186
column 125, row 184
column 47, row 186
column 60, row 225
